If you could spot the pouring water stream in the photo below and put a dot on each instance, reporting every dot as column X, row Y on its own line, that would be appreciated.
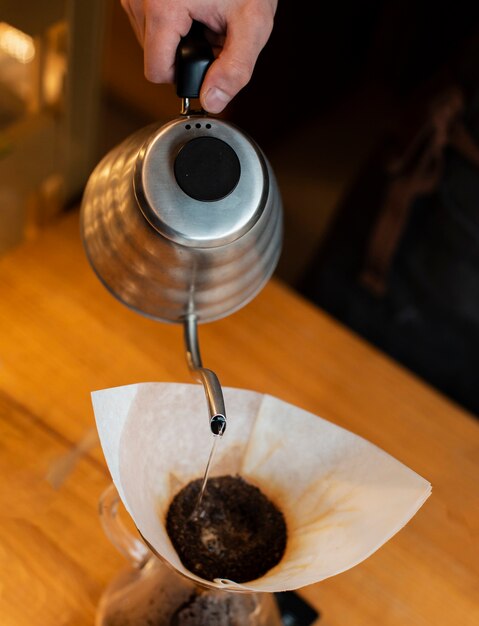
column 214, row 397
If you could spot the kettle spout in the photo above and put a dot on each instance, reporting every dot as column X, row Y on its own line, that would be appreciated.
column 211, row 383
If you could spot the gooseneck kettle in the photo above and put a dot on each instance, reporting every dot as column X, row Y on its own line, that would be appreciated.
column 182, row 222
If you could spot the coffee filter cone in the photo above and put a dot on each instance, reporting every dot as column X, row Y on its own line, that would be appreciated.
column 342, row 497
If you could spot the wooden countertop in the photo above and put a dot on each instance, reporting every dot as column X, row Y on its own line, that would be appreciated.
column 63, row 335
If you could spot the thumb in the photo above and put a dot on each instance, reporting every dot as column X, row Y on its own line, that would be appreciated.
column 233, row 68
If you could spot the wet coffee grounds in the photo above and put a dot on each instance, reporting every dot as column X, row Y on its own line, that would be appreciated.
column 237, row 533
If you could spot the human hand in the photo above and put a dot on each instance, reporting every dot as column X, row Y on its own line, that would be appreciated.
column 237, row 29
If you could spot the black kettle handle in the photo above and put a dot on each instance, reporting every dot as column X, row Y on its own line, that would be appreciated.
column 194, row 55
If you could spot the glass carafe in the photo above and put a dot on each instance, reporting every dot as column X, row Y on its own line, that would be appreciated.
column 149, row 592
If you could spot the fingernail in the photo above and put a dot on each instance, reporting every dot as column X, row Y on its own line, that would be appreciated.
column 215, row 100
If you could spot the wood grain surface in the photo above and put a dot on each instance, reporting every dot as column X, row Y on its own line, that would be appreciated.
column 62, row 335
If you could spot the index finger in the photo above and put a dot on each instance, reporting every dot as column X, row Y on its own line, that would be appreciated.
column 162, row 36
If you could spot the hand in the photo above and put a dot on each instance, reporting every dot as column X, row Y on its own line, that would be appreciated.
column 237, row 30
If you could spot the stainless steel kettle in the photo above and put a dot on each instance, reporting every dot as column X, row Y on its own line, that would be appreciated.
column 182, row 222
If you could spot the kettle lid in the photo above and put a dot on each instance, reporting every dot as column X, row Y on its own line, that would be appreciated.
column 201, row 182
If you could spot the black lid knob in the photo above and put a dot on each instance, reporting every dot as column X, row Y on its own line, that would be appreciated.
column 207, row 169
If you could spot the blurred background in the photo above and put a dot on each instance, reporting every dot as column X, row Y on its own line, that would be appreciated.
column 369, row 114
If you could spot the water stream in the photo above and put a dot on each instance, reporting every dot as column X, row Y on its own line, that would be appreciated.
column 196, row 514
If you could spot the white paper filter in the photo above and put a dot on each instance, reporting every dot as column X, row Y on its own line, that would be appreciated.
column 342, row 497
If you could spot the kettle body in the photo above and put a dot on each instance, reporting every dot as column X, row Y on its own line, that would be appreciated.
column 183, row 219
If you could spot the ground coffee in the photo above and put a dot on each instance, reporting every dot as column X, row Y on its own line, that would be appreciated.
column 215, row 609
column 237, row 533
